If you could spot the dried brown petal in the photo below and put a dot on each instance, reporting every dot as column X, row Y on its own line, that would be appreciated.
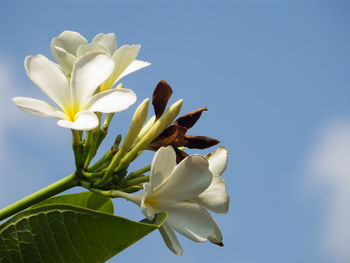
column 190, row 119
column 161, row 95
column 199, row 142
column 173, row 135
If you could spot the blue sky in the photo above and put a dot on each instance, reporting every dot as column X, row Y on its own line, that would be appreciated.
column 275, row 78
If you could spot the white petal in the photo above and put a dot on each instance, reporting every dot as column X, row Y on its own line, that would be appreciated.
column 190, row 220
column 113, row 100
column 85, row 120
column 170, row 239
column 147, row 211
column 134, row 66
column 216, row 237
column 189, row 179
column 88, row 73
column 108, row 41
column 122, row 59
column 215, row 197
column 37, row 107
column 49, row 78
column 84, row 49
column 68, row 41
column 147, row 191
column 218, row 161
column 66, row 60
column 164, row 162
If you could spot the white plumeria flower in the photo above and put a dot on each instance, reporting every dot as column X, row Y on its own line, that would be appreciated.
column 74, row 96
column 215, row 198
column 69, row 46
column 170, row 189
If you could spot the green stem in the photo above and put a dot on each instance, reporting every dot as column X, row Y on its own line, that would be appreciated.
column 109, row 170
column 135, row 181
column 127, row 196
column 137, row 173
column 94, row 174
column 107, row 122
column 87, row 185
column 77, row 149
column 76, row 137
column 107, row 157
column 88, row 148
column 51, row 190
column 131, row 189
column 98, row 135
column 115, row 193
column 128, row 158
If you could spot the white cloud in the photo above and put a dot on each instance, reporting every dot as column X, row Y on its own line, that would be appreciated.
column 329, row 166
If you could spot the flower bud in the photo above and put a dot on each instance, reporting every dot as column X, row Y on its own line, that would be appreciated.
column 134, row 129
column 146, row 127
column 162, row 123
column 136, row 124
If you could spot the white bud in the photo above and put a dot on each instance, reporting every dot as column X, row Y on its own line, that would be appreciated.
column 159, row 126
column 146, row 128
column 137, row 121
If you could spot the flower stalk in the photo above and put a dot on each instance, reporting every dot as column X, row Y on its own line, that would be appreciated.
column 134, row 181
column 77, row 149
column 88, row 148
column 137, row 173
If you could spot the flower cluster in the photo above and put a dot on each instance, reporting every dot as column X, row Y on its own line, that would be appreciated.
column 72, row 84
column 185, row 191
column 82, row 86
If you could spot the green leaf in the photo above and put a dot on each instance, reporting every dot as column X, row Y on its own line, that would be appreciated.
column 64, row 233
column 86, row 200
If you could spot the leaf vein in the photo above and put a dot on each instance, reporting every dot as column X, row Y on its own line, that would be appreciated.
column 70, row 238
column 30, row 224
column 53, row 237
column 19, row 244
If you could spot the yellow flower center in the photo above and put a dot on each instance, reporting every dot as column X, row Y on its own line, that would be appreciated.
column 71, row 112
column 151, row 202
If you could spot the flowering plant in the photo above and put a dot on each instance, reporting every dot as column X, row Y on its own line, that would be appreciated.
column 175, row 192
